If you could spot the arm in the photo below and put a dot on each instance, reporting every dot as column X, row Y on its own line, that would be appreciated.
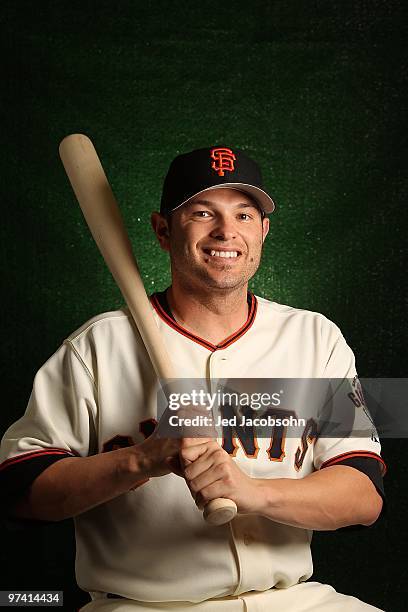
column 334, row 497
column 76, row 484
column 61, row 420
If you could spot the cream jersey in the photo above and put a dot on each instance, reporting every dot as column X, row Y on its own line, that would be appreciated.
column 99, row 392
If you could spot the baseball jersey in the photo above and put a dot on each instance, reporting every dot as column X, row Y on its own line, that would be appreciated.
column 98, row 392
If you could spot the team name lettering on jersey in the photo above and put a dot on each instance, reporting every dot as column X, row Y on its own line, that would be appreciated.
column 239, row 436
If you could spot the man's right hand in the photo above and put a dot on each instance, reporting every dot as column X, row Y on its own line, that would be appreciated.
column 159, row 454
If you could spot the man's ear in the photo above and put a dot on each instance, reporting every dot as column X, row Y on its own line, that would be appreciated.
column 265, row 228
column 160, row 227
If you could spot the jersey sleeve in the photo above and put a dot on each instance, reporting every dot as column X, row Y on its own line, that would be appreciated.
column 59, row 422
column 357, row 444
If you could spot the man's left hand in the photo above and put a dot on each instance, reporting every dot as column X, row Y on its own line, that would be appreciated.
column 211, row 473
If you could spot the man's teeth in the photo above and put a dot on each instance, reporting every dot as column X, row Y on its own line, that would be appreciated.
column 224, row 253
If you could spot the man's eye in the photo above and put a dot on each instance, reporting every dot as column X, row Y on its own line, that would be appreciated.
column 201, row 213
column 244, row 216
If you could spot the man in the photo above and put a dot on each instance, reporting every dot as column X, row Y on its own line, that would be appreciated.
column 87, row 446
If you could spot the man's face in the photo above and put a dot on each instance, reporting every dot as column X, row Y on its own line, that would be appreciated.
column 215, row 240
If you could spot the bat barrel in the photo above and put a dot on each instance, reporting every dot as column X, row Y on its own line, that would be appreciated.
column 102, row 214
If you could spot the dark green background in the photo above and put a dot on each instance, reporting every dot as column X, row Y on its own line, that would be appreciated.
column 315, row 91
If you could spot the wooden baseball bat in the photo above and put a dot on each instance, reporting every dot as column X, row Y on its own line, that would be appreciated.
column 102, row 214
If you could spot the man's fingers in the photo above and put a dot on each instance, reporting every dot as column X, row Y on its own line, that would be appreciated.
column 207, row 477
column 192, row 453
column 193, row 448
column 197, row 467
column 213, row 491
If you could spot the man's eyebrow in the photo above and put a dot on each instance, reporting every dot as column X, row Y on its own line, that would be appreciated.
column 201, row 201
column 236, row 205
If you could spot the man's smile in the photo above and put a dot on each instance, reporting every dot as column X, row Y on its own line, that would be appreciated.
column 217, row 253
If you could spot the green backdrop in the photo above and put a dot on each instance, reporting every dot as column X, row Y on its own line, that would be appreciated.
column 312, row 89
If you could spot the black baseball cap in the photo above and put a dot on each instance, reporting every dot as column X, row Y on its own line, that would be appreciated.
column 192, row 173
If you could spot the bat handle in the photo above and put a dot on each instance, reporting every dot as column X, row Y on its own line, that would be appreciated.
column 220, row 511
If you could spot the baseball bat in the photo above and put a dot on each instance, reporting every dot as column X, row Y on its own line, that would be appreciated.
column 102, row 214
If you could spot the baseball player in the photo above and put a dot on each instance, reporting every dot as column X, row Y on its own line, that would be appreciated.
column 88, row 448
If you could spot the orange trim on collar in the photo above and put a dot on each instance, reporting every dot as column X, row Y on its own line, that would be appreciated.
column 208, row 345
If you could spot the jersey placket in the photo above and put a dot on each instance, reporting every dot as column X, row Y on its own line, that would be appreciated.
column 243, row 537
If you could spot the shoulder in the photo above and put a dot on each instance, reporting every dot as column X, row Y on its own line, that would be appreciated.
column 109, row 333
column 101, row 324
column 313, row 335
column 297, row 317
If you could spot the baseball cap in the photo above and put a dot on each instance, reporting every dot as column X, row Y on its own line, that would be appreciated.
column 211, row 168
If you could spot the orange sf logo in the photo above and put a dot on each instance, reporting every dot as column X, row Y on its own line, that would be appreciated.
column 223, row 160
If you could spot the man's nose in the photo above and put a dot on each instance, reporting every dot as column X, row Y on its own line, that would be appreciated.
column 224, row 229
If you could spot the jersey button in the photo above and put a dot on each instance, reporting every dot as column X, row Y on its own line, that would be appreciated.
column 248, row 539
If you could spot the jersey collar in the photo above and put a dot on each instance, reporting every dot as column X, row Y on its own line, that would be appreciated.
column 161, row 306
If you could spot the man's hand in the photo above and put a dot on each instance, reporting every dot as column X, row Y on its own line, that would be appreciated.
column 158, row 455
column 211, row 473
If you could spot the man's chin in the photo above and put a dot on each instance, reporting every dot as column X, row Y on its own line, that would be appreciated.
column 226, row 282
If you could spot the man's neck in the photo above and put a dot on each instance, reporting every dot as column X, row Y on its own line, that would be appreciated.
column 212, row 317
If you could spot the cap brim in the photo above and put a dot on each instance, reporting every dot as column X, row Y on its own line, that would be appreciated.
column 261, row 197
